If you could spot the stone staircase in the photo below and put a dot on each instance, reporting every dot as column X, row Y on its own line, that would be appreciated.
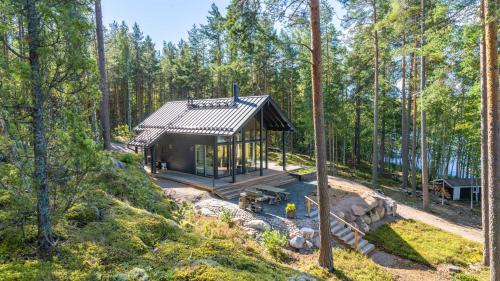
column 345, row 236
column 231, row 191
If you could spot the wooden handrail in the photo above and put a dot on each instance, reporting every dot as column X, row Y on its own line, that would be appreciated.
column 352, row 227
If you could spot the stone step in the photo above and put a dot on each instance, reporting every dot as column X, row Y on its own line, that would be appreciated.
column 348, row 236
column 314, row 213
column 336, row 228
column 367, row 249
column 361, row 243
column 342, row 232
column 333, row 223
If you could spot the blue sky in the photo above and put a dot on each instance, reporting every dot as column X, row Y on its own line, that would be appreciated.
column 165, row 20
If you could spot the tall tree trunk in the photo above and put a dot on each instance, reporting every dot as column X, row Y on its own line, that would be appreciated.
column 332, row 150
column 129, row 105
column 382, row 146
column 104, row 111
column 375, row 152
column 484, row 145
column 423, row 133
column 45, row 238
column 357, row 127
column 493, row 107
column 414, row 136
column 150, row 97
column 404, row 121
column 325, row 252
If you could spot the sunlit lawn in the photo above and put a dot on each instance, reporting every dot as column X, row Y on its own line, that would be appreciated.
column 427, row 245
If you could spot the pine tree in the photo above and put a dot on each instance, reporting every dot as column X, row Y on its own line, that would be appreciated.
column 104, row 110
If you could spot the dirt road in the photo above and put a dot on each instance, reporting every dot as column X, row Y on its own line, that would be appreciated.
column 409, row 212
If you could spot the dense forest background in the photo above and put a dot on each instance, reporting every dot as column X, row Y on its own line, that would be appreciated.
column 266, row 53
column 265, row 50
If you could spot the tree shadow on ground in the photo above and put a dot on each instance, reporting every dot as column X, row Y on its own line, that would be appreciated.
column 389, row 240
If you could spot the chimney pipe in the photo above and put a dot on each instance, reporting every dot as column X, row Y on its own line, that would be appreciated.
column 236, row 91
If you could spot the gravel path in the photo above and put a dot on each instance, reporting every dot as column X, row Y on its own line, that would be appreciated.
column 470, row 233
column 402, row 269
column 409, row 212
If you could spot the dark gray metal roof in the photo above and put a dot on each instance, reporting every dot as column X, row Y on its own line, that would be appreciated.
column 218, row 117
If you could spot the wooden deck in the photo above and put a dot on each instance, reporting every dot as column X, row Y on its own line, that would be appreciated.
column 224, row 188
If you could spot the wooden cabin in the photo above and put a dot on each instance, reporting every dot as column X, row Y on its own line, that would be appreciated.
column 214, row 138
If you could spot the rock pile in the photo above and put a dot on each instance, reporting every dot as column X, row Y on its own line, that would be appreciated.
column 370, row 209
column 306, row 239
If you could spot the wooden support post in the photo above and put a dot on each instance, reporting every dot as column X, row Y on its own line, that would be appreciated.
column 233, row 158
column 308, row 205
column 216, row 175
column 283, row 148
column 145, row 150
column 136, row 149
column 260, row 141
column 356, row 239
column 243, row 153
column 153, row 159
column 267, row 148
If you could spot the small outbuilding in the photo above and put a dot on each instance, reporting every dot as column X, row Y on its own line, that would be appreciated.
column 459, row 189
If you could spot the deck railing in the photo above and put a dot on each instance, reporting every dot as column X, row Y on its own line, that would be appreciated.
column 310, row 202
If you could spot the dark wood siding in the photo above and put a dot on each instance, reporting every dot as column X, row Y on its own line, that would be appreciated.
column 178, row 151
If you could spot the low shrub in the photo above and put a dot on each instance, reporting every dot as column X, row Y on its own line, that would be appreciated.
column 274, row 241
column 290, row 208
column 226, row 217
column 81, row 214
column 121, row 133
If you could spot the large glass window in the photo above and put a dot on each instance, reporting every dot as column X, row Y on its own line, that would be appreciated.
column 199, row 156
column 204, row 160
column 209, row 160
column 223, row 160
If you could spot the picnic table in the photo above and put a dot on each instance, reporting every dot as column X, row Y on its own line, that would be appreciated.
column 278, row 193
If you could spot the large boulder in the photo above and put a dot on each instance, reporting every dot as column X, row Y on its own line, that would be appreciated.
column 390, row 206
column 364, row 227
column 308, row 245
column 359, row 210
column 297, row 242
column 370, row 201
column 365, row 219
column 316, row 241
column 307, row 232
column 258, row 224
column 374, row 217
column 207, row 212
column 380, row 211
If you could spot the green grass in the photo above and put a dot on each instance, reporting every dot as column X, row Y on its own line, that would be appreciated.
column 428, row 245
column 349, row 265
column 305, row 171
column 124, row 227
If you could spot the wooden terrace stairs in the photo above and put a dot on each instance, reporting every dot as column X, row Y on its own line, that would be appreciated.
column 233, row 190
column 227, row 190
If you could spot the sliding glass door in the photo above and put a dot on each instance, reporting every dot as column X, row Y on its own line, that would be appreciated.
column 204, row 160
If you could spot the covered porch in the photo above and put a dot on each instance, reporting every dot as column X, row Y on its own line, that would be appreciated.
column 274, row 173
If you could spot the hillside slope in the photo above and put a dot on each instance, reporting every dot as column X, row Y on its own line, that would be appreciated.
column 125, row 228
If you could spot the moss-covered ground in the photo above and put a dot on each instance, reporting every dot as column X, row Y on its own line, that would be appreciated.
column 124, row 228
